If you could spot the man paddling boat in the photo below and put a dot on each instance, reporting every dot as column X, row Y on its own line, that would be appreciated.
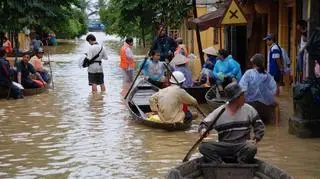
column 234, row 127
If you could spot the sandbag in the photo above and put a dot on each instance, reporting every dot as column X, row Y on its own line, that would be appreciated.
column 306, row 98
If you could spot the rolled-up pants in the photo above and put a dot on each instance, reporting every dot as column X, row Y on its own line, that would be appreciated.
column 217, row 151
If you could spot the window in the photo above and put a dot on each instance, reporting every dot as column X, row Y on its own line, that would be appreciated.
column 215, row 36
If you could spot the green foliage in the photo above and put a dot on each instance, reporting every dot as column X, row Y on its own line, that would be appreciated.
column 16, row 14
column 139, row 18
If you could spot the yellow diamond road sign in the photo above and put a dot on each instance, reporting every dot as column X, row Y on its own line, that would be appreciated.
column 234, row 15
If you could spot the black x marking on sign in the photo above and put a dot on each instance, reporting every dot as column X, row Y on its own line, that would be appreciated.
column 234, row 14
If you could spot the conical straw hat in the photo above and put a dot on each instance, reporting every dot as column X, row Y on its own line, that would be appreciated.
column 211, row 51
column 179, row 59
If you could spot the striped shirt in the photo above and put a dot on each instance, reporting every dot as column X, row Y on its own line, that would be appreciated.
column 236, row 128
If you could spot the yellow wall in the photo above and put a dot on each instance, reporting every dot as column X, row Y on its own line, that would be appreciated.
column 206, row 41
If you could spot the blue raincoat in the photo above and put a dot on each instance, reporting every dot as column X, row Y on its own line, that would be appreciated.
column 154, row 70
column 227, row 67
column 258, row 86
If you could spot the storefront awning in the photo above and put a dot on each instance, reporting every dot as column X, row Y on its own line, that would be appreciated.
column 212, row 19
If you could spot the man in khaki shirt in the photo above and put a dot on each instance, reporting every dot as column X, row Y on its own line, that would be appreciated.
column 169, row 102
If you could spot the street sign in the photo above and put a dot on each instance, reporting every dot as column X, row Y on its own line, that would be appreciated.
column 234, row 15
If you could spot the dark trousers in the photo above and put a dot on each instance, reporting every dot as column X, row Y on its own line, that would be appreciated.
column 15, row 92
column 218, row 151
column 29, row 84
column 265, row 112
column 188, row 117
column 45, row 76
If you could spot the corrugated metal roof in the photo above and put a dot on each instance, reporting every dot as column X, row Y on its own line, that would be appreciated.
column 206, row 2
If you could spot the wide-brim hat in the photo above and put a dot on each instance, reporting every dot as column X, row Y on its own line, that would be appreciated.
column 179, row 59
column 211, row 51
column 191, row 56
column 233, row 91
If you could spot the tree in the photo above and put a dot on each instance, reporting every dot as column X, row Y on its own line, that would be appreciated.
column 16, row 14
column 138, row 18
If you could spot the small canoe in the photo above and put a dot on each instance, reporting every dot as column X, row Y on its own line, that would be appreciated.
column 19, row 54
column 26, row 92
column 197, row 168
column 138, row 106
column 198, row 92
column 213, row 99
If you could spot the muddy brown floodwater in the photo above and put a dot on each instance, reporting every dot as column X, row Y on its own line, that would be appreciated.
column 70, row 133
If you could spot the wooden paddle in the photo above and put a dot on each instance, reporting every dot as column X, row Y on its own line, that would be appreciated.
column 50, row 68
column 134, row 81
column 188, row 155
column 197, row 107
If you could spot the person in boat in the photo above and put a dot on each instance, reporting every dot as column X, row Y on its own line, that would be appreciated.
column 172, row 102
column 206, row 74
column 181, row 49
column 126, row 60
column 36, row 62
column 5, row 76
column 7, row 45
column 260, row 88
column 164, row 44
column 180, row 64
column 233, row 127
column 226, row 70
column 26, row 71
column 153, row 70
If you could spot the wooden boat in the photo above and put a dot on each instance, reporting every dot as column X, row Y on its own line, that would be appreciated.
column 26, row 92
column 19, row 54
column 198, row 92
column 213, row 99
column 138, row 105
column 197, row 168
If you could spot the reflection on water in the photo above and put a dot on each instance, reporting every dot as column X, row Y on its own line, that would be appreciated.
column 69, row 132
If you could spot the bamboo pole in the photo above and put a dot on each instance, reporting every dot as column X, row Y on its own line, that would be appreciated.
column 195, row 15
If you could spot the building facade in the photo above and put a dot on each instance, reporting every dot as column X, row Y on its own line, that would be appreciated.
column 278, row 17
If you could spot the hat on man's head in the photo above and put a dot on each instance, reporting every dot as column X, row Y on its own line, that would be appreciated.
column 268, row 37
column 233, row 91
column 40, row 50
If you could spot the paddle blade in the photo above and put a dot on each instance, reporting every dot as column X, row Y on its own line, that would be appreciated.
column 193, row 148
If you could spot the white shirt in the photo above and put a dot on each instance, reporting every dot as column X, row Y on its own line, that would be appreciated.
column 93, row 51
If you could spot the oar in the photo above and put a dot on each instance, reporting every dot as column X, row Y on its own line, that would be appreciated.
column 188, row 155
column 134, row 81
column 50, row 68
column 197, row 107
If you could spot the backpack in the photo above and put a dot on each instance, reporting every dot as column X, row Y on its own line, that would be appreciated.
column 87, row 62
column 285, row 59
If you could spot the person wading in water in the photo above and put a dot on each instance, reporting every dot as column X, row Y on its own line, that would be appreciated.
column 95, row 70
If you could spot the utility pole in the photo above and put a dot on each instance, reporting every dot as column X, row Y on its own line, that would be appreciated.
column 195, row 15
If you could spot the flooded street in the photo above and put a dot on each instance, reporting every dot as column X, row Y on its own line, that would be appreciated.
column 70, row 133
